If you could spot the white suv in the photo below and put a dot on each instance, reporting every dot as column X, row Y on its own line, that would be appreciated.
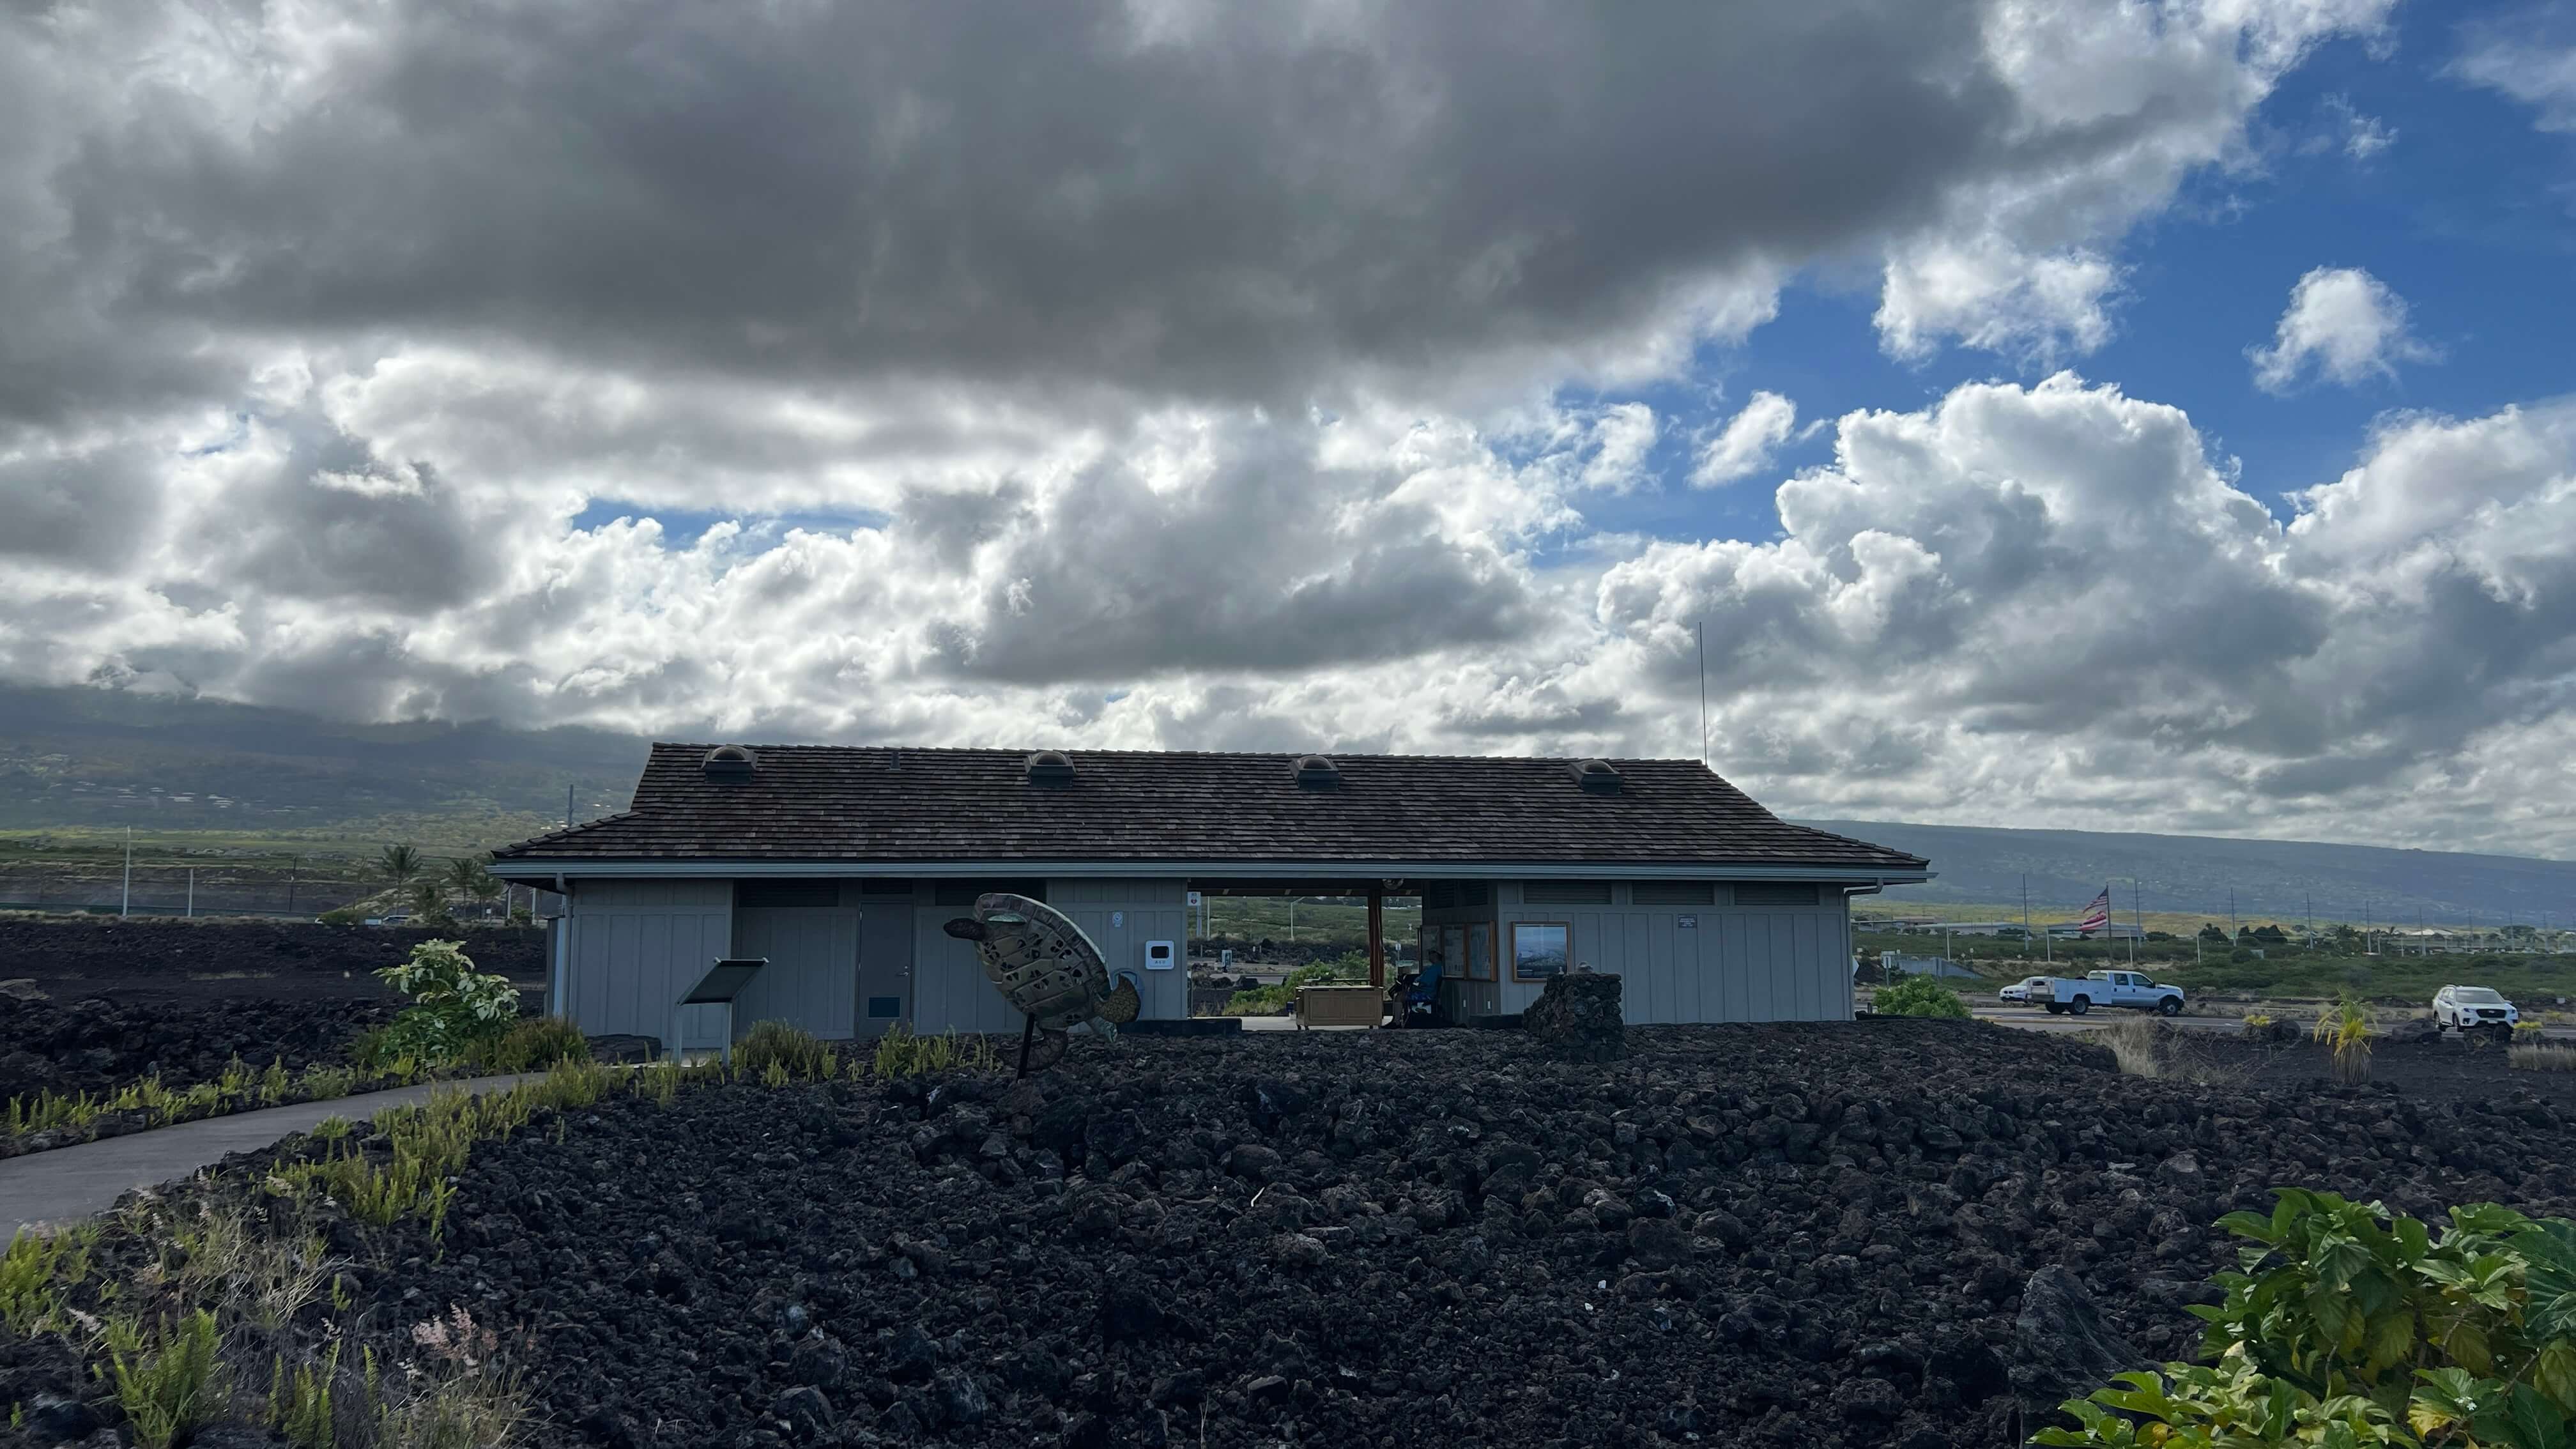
column 2472, row 1008
column 2020, row 990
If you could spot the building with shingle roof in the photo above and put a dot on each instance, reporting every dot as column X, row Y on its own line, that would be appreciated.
column 838, row 865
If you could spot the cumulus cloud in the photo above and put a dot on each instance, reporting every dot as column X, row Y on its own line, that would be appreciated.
column 2049, row 601
column 1230, row 376
column 2530, row 57
column 2343, row 322
column 1744, row 447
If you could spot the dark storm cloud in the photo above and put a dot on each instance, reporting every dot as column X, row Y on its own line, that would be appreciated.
column 1036, row 191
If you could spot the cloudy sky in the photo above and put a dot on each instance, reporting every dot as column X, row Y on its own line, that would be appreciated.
column 2127, row 415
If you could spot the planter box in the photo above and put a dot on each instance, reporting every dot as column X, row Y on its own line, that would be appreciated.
column 1340, row 1006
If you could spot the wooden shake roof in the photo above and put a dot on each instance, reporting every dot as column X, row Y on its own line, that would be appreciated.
column 887, row 805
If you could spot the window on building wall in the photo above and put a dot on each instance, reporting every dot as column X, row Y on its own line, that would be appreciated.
column 1540, row 949
column 1566, row 892
column 1480, row 950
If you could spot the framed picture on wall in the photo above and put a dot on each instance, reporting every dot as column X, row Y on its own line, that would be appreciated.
column 1453, row 952
column 1480, row 950
column 1540, row 949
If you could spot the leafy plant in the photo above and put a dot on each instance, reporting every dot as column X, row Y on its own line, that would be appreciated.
column 793, row 1050
column 901, row 1053
column 454, row 1007
column 535, row 1045
column 167, row 1381
column 2346, row 1030
column 299, row 1400
column 1919, row 996
column 34, row 1272
column 2352, row 1326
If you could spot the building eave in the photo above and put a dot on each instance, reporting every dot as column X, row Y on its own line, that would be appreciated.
column 533, row 868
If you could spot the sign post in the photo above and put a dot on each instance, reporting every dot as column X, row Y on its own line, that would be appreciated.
column 723, row 982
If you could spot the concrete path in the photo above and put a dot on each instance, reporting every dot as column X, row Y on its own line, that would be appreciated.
column 74, row 1182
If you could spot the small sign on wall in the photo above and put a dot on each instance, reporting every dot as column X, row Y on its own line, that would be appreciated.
column 1687, row 923
column 1117, row 919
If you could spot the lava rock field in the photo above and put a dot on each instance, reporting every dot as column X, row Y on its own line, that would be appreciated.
column 1784, row 1234
column 67, row 956
column 97, row 1045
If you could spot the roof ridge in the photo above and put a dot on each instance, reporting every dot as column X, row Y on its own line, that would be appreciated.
column 1335, row 755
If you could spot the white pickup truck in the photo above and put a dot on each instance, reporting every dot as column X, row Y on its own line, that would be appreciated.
column 2133, row 989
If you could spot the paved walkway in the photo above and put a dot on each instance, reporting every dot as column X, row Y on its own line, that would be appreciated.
column 74, row 1182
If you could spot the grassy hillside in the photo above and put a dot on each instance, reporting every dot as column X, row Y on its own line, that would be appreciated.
column 1982, row 874
column 80, row 765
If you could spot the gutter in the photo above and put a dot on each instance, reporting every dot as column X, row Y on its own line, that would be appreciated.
column 1855, row 880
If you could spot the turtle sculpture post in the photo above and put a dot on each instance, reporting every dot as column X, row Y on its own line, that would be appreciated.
column 1046, row 968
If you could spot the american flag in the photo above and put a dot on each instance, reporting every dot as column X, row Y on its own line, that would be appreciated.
column 2098, row 914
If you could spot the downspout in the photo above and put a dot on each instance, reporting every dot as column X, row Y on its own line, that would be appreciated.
column 562, row 952
column 1851, row 994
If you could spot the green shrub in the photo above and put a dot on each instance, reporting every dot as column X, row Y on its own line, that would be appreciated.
column 901, row 1053
column 1272, row 1000
column 799, row 1053
column 535, row 1045
column 455, row 1009
column 34, row 1272
column 1918, row 996
column 2346, row 1030
column 2355, row 1326
column 168, row 1382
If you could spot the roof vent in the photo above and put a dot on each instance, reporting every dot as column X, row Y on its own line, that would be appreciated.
column 1049, row 767
column 1314, row 772
column 729, row 762
column 1597, row 777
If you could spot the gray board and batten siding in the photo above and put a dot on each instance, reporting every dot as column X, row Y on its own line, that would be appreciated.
column 846, row 958
column 850, row 958
column 1687, row 951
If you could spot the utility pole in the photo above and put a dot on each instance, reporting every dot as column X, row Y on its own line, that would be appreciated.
column 2137, row 918
column 2231, row 913
column 294, row 863
column 1699, row 639
column 125, row 906
column 192, row 893
column 2025, row 914
column 568, row 807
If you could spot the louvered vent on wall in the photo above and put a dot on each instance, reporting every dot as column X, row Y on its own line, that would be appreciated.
column 881, row 887
column 1439, row 895
column 964, row 892
column 787, row 893
column 1673, row 893
column 1566, row 893
column 1763, row 895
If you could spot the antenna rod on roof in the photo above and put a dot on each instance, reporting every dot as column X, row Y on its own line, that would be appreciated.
column 1700, row 639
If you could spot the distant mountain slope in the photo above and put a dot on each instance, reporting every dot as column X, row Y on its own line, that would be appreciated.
column 2272, row 879
column 101, row 757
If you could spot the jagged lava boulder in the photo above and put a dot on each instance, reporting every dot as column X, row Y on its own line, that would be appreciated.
column 1578, row 1016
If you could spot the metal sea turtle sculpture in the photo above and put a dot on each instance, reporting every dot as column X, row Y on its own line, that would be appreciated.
column 1047, row 969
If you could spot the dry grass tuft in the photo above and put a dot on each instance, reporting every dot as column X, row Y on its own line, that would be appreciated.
column 2542, row 1056
column 2133, row 1044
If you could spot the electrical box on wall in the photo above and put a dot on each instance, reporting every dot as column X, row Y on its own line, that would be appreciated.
column 1160, row 956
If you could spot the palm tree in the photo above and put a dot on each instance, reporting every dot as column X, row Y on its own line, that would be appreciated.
column 428, row 902
column 398, row 864
column 468, row 876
